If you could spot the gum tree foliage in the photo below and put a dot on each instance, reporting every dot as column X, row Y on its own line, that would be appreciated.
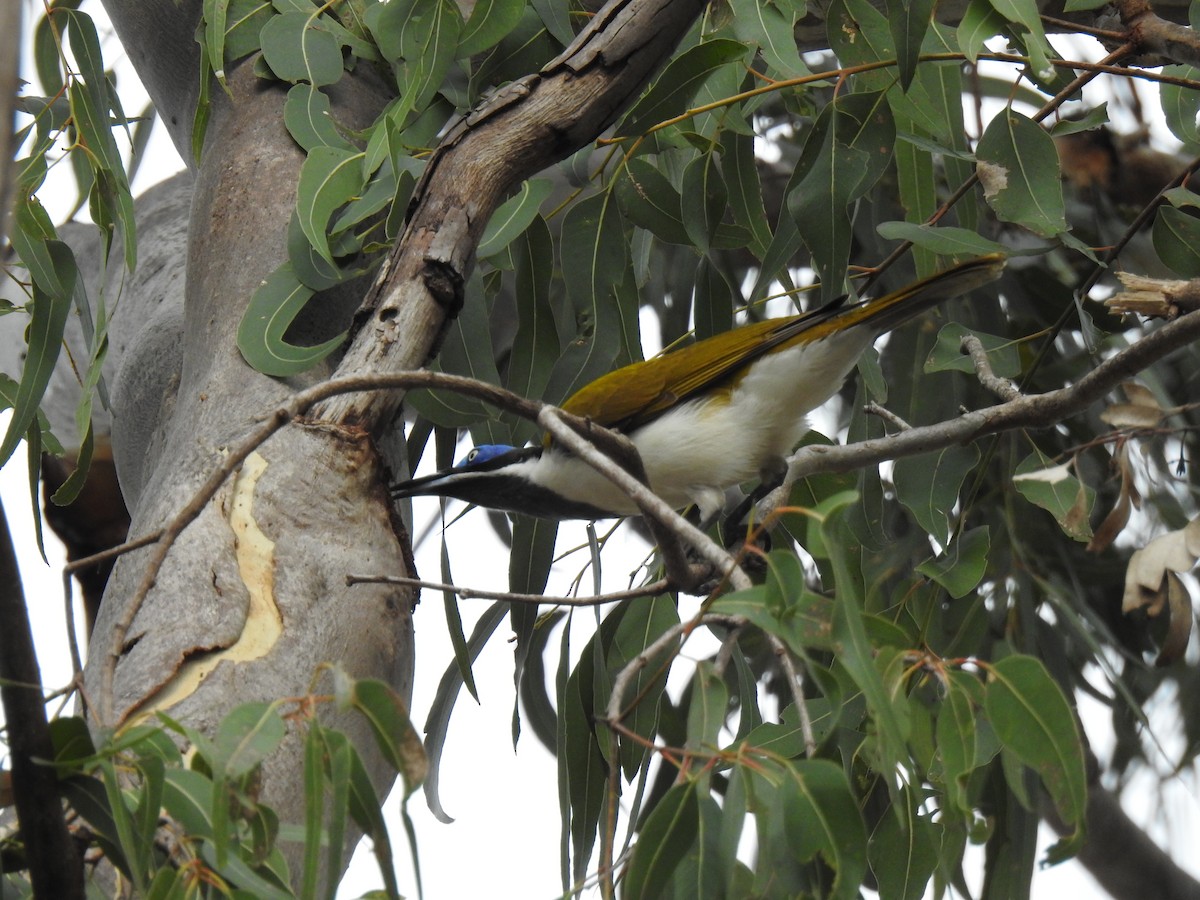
column 500, row 190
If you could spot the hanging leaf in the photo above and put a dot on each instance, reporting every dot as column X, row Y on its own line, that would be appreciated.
column 489, row 22
column 1055, row 489
column 1019, row 170
column 960, row 569
column 1032, row 718
column 298, row 47
column 306, row 114
column 677, row 85
column 513, row 216
column 272, row 309
column 329, row 178
column 929, row 485
column 662, row 843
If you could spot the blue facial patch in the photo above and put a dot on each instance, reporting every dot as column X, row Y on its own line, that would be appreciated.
column 483, row 453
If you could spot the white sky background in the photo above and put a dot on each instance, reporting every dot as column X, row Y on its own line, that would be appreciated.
column 505, row 840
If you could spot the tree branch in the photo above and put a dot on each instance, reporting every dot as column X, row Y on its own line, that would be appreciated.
column 648, row 590
column 524, row 127
column 1027, row 411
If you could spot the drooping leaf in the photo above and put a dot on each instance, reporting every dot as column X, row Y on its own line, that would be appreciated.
column 821, row 817
column 272, row 309
column 929, row 485
column 513, row 216
column 1032, row 718
column 766, row 25
column 960, row 569
column 663, row 842
column 306, row 114
column 298, row 47
column 674, row 89
column 329, row 178
column 909, row 22
column 1019, row 169
column 1177, row 240
column 246, row 736
column 489, row 22
column 1055, row 489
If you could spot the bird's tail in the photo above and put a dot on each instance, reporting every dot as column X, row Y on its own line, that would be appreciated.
column 894, row 309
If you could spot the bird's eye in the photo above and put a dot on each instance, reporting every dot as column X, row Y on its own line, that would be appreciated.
column 472, row 454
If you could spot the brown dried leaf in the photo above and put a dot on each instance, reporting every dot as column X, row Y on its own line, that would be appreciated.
column 1139, row 394
column 1179, row 625
column 1131, row 415
column 1175, row 551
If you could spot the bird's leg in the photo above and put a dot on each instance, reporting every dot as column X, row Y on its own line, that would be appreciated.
column 771, row 476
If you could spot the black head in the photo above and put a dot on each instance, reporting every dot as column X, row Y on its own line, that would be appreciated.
column 498, row 476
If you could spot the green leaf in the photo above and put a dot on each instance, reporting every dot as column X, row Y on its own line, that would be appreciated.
column 929, row 484
column 642, row 624
column 314, row 807
column 438, row 721
column 329, row 178
column 187, row 798
column 46, row 325
column 247, row 736
column 419, row 38
column 674, row 89
column 1180, row 106
column 956, row 741
column 740, row 166
column 1032, row 718
column 1177, row 240
column 274, row 305
column 513, row 216
column 851, row 642
column 909, row 21
column 713, row 305
column 947, row 354
column 904, row 850
column 703, row 200
column 1019, row 169
column 306, row 113
column 1055, row 489
column 650, row 201
column 849, row 148
column 397, row 739
column 821, row 816
column 663, row 842
column 960, row 569
column 706, row 713
column 767, row 26
column 535, row 345
column 244, row 21
column 1027, row 14
column 490, row 21
column 594, row 254
column 298, row 47
column 944, row 239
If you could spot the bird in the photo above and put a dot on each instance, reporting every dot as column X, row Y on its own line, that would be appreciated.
column 720, row 412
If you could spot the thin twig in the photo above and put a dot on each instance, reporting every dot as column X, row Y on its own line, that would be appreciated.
column 874, row 409
column 796, row 686
column 649, row 590
column 1001, row 387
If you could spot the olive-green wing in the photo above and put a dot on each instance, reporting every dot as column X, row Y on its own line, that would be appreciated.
column 633, row 395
